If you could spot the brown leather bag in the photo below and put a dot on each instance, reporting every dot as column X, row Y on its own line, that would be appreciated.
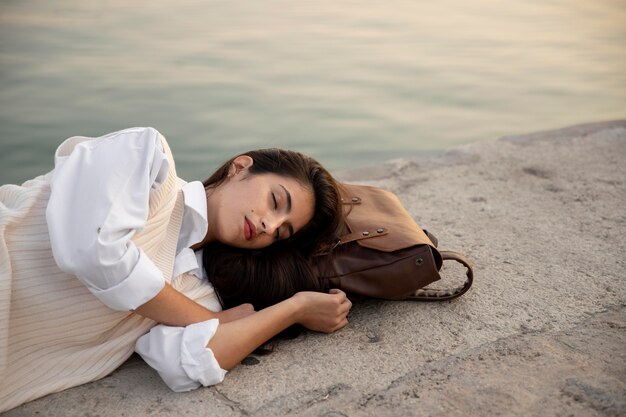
column 384, row 253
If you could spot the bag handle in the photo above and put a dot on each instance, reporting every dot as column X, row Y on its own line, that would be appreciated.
column 434, row 294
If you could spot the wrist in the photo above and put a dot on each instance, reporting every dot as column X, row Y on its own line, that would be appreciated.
column 296, row 306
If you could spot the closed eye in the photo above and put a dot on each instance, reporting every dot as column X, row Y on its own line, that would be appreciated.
column 277, row 234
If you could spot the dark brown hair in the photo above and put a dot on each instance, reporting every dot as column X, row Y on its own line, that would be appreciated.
column 323, row 229
column 261, row 277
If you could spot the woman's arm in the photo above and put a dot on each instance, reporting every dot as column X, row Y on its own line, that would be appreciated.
column 321, row 312
column 173, row 308
column 99, row 200
column 188, row 357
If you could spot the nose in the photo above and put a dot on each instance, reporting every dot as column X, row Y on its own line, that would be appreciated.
column 270, row 224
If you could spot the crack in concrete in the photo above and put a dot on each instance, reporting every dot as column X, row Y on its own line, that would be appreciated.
column 301, row 401
column 233, row 405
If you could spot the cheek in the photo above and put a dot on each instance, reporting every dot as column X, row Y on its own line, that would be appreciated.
column 228, row 230
column 307, row 216
column 263, row 242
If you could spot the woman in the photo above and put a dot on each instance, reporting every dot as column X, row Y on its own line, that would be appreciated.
column 112, row 220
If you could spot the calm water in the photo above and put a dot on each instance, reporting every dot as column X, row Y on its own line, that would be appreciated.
column 349, row 82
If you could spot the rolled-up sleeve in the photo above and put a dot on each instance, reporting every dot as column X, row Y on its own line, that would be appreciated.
column 180, row 355
column 98, row 201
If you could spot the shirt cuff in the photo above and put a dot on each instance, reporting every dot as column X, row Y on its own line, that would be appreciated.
column 143, row 284
column 197, row 360
column 180, row 355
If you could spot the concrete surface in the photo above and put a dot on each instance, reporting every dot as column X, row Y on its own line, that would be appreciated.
column 541, row 333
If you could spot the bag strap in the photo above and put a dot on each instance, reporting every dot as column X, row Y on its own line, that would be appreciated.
column 433, row 294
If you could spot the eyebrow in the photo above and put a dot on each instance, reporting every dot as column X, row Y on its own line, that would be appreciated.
column 288, row 198
column 288, row 208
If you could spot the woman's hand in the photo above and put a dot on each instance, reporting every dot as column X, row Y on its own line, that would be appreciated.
column 235, row 313
column 323, row 312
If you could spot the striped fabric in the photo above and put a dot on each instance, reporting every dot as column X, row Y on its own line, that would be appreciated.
column 54, row 334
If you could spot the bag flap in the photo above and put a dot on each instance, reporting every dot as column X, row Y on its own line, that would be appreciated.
column 371, row 209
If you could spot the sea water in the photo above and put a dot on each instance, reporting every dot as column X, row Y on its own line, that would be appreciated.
column 351, row 83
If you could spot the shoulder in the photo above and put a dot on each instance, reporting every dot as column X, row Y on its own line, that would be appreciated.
column 135, row 137
column 135, row 134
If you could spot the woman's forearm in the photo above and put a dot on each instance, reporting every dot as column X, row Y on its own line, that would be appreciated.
column 235, row 340
column 174, row 309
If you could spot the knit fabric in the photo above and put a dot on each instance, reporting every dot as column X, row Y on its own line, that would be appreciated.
column 54, row 334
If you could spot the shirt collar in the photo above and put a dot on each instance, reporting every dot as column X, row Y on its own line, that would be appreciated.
column 195, row 223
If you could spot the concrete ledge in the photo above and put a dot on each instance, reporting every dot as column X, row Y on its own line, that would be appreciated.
column 543, row 217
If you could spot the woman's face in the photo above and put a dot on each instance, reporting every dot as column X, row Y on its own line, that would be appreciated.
column 253, row 211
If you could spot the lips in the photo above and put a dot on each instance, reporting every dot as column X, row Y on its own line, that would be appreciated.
column 249, row 230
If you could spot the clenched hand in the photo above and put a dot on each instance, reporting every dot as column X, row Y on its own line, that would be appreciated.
column 323, row 312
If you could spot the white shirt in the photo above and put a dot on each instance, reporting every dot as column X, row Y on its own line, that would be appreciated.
column 98, row 201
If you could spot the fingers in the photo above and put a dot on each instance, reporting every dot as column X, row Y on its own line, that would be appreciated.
column 341, row 325
column 236, row 313
column 336, row 291
column 247, row 307
column 340, row 295
column 345, row 307
column 243, row 309
column 345, row 303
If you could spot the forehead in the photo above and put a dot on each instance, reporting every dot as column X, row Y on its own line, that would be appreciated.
column 288, row 182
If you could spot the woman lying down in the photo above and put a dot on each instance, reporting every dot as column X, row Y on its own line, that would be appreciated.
column 111, row 251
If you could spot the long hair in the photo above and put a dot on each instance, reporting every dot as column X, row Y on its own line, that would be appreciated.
column 323, row 229
column 261, row 277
